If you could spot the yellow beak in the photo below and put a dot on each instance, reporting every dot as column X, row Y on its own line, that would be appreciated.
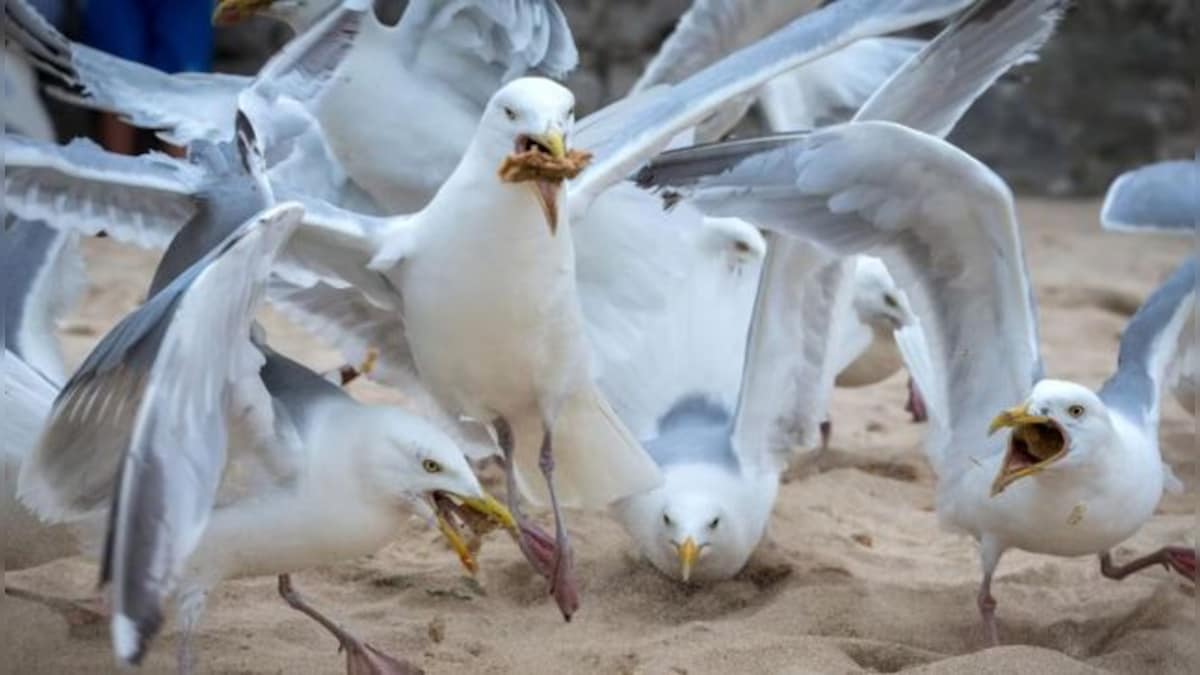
column 487, row 506
column 1020, row 420
column 688, row 552
column 554, row 142
column 229, row 12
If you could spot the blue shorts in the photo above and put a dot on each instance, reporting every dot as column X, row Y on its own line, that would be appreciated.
column 171, row 35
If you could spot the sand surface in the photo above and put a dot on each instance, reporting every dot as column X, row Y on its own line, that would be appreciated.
column 855, row 575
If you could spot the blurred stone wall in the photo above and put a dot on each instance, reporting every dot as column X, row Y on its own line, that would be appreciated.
column 1115, row 88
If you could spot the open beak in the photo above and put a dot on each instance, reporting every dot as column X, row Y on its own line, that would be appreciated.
column 547, row 190
column 477, row 515
column 688, row 552
column 229, row 12
column 1036, row 442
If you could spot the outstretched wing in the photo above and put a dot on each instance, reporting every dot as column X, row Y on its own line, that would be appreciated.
column 1148, row 344
column 628, row 134
column 803, row 297
column 143, row 200
column 943, row 223
column 42, row 277
column 518, row 36
column 1162, row 197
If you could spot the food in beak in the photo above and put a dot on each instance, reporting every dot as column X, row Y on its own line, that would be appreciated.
column 1035, row 443
column 688, row 553
column 545, row 162
column 464, row 521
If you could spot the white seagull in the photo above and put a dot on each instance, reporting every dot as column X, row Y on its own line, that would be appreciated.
column 1081, row 470
column 722, row 464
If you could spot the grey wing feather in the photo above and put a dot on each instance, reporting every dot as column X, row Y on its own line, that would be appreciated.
column 184, row 106
column 1162, row 197
column 945, row 226
column 297, row 389
column 694, row 430
column 1148, row 345
column 803, row 295
column 977, row 48
column 621, row 142
column 517, row 35
column 143, row 200
column 42, row 277
column 168, row 480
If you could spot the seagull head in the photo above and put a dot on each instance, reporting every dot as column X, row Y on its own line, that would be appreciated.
column 525, row 131
column 878, row 301
column 299, row 14
column 1059, row 425
column 413, row 463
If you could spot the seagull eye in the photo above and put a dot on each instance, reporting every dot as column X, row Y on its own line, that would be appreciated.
column 712, row 525
column 666, row 519
column 510, row 113
column 890, row 301
column 1075, row 411
column 431, row 466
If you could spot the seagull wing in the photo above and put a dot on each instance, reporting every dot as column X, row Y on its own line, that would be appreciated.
column 1149, row 343
column 943, row 223
column 143, row 200
column 1163, row 197
column 43, row 278
column 832, row 88
column 626, row 136
column 692, row 346
column 516, row 36
column 803, row 296
column 186, row 106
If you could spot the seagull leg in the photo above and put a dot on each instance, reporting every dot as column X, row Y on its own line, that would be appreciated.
column 535, row 544
column 361, row 658
column 826, row 433
column 562, row 584
column 76, row 613
column 1178, row 558
column 916, row 403
column 989, row 554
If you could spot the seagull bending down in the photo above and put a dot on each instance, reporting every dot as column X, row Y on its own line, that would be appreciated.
column 1080, row 471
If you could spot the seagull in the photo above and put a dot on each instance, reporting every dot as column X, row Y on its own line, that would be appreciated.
column 530, row 391
column 1082, row 470
column 146, row 392
column 723, row 441
column 1162, row 197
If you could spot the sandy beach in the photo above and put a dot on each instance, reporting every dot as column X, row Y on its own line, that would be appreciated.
column 855, row 575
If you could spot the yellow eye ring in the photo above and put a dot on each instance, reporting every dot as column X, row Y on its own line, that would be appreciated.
column 1075, row 411
column 431, row 466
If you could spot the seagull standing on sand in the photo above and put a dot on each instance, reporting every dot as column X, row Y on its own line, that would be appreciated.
column 1081, row 471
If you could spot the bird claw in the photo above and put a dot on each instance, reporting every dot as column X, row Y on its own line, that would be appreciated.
column 554, row 565
column 1183, row 561
column 916, row 403
column 363, row 659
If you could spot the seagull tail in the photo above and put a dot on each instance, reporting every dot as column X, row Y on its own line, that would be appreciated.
column 596, row 459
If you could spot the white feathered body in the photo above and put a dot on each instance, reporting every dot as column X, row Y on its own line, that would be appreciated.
column 494, row 323
column 1077, row 507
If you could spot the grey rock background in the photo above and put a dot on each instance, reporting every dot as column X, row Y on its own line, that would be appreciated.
column 1115, row 88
